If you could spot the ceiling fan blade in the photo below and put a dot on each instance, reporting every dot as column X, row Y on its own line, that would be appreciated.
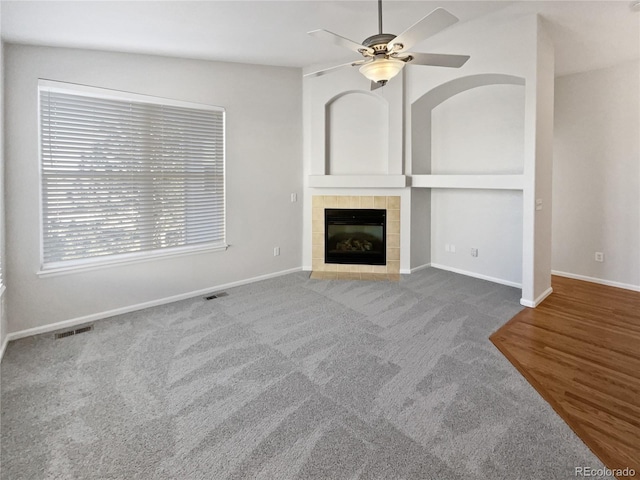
column 433, row 23
column 324, row 71
column 437, row 59
column 376, row 85
column 341, row 41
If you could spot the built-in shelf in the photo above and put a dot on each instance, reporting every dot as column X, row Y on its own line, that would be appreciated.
column 481, row 182
column 484, row 182
column 357, row 181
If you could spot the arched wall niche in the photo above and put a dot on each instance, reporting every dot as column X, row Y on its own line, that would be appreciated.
column 356, row 134
column 470, row 125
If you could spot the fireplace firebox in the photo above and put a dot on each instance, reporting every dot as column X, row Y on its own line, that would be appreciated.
column 355, row 236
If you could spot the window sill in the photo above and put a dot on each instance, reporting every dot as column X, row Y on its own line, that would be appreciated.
column 127, row 259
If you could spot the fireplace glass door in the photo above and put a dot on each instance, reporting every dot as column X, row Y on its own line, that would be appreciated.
column 355, row 236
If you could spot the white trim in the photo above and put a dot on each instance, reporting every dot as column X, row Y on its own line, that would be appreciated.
column 490, row 182
column 537, row 301
column 132, row 308
column 3, row 347
column 357, row 181
column 91, row 263
column 601, row 281
column 108, row 93
column 477, row 275
column 417, row 269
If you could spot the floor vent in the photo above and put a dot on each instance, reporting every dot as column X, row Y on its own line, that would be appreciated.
column 74, row 332
column 216, row 295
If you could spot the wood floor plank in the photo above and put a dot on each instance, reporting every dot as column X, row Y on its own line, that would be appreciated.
column 580, row 349
column 609, row 392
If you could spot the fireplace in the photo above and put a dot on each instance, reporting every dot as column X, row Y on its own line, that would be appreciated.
column 355, row 236
column 388, row 204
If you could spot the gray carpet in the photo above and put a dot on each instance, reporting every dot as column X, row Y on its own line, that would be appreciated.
column 288, row 378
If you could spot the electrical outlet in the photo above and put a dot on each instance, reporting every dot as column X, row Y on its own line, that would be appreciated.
column 474, row 252
column 599, row 257
column 447, row 247
column 294, row 197
column 276, row 251
column 453, row 248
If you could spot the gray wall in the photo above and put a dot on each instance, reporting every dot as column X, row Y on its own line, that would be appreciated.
column 596, row 174
column 264, row 167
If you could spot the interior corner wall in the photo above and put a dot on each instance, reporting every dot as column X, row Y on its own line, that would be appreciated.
column 502, row 47
column 596, row 175
column 542, row 204
column 420, row 227
column 263, row 167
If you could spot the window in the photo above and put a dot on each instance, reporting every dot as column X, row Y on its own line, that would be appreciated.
column 125, row 176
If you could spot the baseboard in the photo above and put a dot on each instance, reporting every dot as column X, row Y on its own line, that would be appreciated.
column 417, row 269
column 140, row 306
column 537, row 301
column 476, row 275
column 609, row 283
column 3, row 347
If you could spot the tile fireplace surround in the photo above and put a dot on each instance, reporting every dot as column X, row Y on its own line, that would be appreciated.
column 321, row 269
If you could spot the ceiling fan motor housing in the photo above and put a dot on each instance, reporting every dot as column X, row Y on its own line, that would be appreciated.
column 379, row 42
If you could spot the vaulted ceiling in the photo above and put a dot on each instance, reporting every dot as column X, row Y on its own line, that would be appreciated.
column 587, row 34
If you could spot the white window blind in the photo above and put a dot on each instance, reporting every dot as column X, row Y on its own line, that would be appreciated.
column 124, row 174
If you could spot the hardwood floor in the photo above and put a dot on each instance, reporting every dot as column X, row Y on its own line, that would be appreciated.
column 580, row 349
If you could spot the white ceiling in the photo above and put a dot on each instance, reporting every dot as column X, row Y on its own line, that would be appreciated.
column 587, row 34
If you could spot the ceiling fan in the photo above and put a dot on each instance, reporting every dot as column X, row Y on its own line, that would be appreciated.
column 385, row 54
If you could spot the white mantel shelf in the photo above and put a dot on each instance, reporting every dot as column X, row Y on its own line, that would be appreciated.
column 357, row 181
column 482, row 182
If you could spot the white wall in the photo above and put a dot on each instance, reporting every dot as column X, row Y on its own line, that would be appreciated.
column 3, row 314
column 596, row 175
column 420, row 227
column 264, row 150
column 538, row 163
column 345, row 123
column 356, row 135
column 508, row 52
column 479, row 131
column 488, row 220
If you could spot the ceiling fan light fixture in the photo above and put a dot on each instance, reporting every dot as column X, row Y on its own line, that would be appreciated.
column 382, row 70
